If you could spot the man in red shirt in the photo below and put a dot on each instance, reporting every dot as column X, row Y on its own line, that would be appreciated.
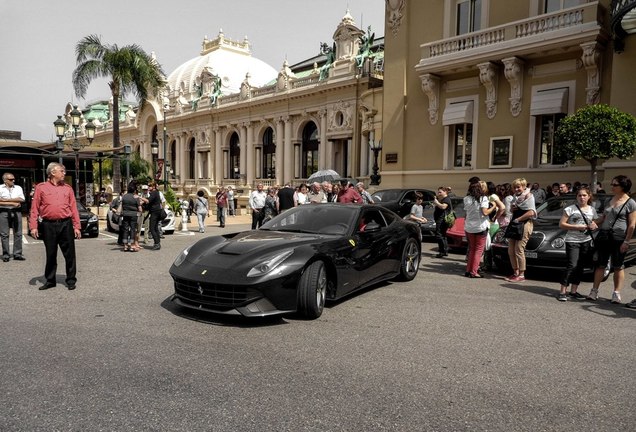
column 348, row 193
column 54, row 202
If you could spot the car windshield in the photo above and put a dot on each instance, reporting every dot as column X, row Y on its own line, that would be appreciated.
column 315, row 219
column 386, row 195
column 80, row 207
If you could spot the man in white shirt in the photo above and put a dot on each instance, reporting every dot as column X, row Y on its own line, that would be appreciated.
column 11, row 199
column 257, row 202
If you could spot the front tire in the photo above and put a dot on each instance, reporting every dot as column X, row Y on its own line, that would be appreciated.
column 312, row 290
column 410, row 263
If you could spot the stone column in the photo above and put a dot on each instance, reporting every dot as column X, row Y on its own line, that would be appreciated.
column 249, row 158
column 322, row 150
column 364, row 154
column 288, row 151
column 218, row 157
column 243, row 144
column 281, row 162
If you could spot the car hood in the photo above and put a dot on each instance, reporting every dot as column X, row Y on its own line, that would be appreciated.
column 250, row 243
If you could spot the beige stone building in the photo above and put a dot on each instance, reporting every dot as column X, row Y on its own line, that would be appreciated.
column 477, row 87
column 231, row 119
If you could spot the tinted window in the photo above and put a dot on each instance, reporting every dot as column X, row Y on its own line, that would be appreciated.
column 386, row 195
column 316, row 219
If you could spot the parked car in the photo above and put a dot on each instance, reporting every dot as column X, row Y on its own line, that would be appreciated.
column 428, row 229
column 88, row 220
column 297, row 261
column 167, row 225
column 400, row 201
column 546, row 246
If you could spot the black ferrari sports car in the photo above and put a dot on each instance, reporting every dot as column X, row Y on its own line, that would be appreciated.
column 297, row 261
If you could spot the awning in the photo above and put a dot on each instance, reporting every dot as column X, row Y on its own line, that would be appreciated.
column 458, row 113
column 553, row 101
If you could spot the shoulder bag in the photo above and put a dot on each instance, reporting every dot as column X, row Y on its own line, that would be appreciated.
column 604, row 235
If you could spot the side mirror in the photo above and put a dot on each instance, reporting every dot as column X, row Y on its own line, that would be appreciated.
column 372, row 227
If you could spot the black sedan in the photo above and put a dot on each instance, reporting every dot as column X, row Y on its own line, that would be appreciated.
column 546, row 246
column 297, row 261
column 400, row 200
column 88, row 220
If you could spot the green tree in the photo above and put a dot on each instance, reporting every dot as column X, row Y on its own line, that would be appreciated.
column 129, row 69
column 140, row 168
column 596, row 133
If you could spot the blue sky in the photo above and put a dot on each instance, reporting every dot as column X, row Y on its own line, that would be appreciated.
column 38, row 38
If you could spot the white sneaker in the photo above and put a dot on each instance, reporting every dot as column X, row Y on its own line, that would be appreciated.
column 616, row 298
column 593, row 294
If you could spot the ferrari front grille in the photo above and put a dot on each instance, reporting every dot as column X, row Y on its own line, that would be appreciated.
column 211, row 294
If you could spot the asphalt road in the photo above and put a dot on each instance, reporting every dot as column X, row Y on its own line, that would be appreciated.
column 440, row 353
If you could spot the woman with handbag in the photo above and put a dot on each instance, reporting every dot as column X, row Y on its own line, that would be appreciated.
column 201, row 210
column 578, row 219
column 476, row 226
column 520, row 228
column 155, row 208
column 617, row 226
column 443, row 207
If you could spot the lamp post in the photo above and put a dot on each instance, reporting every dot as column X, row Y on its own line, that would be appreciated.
column 59, row 125
column 375, row 146
column 154, row 148
column 127, row 152
column 166, row 165
column 76, row 146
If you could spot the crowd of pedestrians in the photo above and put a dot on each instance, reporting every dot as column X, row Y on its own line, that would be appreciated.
column 600, row 239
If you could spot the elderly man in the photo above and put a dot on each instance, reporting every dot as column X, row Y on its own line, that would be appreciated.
column 316, row 195
column 366, row 196
column 11, row 199
column 54, row 202
column 257, row 202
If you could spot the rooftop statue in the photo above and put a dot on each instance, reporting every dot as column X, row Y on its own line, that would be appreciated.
column 331, row 56
column 366, row 43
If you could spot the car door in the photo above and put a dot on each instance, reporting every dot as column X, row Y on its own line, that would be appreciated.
column 371, row 253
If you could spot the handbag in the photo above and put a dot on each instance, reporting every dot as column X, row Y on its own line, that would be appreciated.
column 449, row 218
column 514, row 230
column 604, row 235
column 163, row 214
column 115, row 218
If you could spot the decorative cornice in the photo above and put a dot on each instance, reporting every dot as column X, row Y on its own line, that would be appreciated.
column 430, row 87
column 591, row 59
column 489, row 77
column 513, row 71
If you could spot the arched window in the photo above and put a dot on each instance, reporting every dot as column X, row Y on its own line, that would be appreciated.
column 153, row 134
column 191, row 153
column 269, row 155
column 310, row 150
column 235, row 157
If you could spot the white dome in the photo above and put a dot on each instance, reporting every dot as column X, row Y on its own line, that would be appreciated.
column 228, row 59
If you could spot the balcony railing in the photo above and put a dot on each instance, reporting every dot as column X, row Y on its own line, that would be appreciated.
column 546, row 27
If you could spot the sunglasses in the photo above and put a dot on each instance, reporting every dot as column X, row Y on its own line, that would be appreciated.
column 11, row 179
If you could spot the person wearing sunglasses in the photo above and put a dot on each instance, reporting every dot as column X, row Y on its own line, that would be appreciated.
column 11, row 199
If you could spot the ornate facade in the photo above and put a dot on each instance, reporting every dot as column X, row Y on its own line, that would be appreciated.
column 230, row 119
column 480, row 87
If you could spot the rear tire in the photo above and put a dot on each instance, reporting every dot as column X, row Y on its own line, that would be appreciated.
column 410, row 263
column 312, row 290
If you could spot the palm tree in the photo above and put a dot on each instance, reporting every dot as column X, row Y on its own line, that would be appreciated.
column 129, row 69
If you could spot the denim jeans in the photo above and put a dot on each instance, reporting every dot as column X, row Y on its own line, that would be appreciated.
column 578, row 255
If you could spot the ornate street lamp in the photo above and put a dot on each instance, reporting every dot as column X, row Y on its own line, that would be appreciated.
column 154, row 148
column 375, row 146
column 76, row 146
column 60, row 127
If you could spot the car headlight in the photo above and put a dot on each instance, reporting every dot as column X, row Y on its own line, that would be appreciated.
column 500, row 238
column 269, row 265
column 92, row 219
column 182, row 256
column 558, row 243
